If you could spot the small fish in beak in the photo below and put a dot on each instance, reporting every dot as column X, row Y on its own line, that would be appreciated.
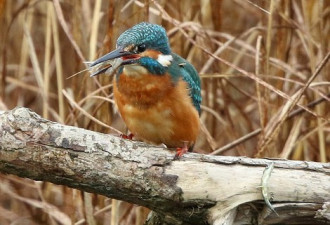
column 110, row 62
column 107, row 67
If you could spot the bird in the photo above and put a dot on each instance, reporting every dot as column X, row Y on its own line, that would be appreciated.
column 157, row 92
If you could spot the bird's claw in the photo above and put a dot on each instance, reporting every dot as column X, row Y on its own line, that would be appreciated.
column 180, row 152
column 129, row 137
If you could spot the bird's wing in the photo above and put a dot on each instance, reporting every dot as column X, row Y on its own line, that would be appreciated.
column 189, row 74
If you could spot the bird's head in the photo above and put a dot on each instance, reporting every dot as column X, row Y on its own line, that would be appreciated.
column 144, row 45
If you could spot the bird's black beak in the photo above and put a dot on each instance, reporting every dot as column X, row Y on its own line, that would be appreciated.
column 119, row 52
column 125, row 57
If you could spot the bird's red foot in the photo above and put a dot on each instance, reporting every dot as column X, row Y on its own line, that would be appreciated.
column 129, row 137
column 180, row 152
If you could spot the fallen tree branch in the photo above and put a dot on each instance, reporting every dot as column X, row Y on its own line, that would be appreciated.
column 197, row 189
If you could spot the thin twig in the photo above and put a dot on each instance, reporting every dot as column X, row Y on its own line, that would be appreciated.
column 257, row 131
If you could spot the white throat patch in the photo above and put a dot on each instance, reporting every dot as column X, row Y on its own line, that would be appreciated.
column 165, row 60
column 134, row 70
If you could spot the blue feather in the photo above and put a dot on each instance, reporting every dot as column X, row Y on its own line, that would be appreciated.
column 180, row 68
column 153, row 66
column 152, row 35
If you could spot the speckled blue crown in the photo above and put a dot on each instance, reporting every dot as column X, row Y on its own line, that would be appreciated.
column 152, row 35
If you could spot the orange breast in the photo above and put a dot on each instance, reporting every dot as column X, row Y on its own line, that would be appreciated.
column 155, row 110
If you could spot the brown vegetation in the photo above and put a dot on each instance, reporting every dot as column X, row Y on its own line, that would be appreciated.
column 258, row 60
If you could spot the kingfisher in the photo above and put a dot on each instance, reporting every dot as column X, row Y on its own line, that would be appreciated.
column 157, row 92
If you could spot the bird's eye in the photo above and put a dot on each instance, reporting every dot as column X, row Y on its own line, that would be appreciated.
column 141, row 48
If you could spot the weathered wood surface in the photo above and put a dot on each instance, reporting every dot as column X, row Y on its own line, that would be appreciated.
column 197, row 189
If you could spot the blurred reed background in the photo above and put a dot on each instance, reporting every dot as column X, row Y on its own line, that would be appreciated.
column 252, row 57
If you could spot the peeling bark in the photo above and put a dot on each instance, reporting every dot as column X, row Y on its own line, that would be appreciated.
column 197, row 189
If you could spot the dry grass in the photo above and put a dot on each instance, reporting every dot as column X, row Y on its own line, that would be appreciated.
column 258, row 60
